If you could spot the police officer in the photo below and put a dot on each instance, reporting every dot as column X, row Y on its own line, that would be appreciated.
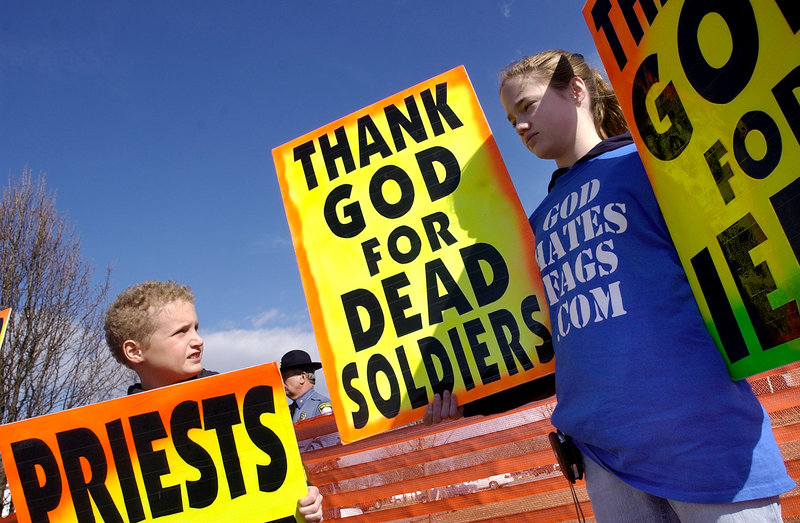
column 297, row 371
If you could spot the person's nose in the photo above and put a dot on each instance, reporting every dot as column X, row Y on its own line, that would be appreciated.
column 197, row 340
column 522, row 126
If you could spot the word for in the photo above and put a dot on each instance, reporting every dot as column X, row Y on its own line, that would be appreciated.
column 82, row 447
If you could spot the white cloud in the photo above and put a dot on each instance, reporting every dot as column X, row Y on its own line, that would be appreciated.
column 272, row 243
column 505, row 8
column 265, row 317
column 235, row 349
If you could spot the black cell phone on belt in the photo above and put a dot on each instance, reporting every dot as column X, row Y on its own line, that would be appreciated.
column 568, row 456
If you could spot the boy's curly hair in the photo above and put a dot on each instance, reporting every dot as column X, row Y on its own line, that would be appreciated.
column 132, row 315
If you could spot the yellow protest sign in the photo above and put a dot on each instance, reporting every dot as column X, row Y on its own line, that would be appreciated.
column 415, row 255
column 710, row 90
column 220, row 448
column 4, row 316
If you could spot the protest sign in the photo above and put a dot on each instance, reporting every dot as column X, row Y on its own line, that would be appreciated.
column 710, row 90
column 221, row 448
column 4, row 316
column 415, row 255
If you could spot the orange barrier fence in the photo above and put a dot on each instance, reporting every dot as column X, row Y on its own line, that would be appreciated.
column 490, row 468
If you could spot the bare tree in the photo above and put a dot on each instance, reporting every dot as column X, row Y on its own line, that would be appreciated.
column 54, row 355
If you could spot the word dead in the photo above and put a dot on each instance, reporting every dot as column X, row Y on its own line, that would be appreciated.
column 436, row 273
column 41, row 466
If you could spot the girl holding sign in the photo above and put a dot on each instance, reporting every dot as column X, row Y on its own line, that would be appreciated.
column 642, row 389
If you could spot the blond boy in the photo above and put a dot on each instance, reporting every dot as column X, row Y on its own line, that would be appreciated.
column 152, row 328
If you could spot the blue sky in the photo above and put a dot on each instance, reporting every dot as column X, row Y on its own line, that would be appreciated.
column 155, row 120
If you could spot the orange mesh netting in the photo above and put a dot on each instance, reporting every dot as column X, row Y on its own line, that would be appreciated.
column 491, row 468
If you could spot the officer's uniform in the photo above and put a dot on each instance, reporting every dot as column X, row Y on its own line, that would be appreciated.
column 310, row 404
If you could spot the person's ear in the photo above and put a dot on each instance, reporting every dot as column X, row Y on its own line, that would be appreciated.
column 132, row 351
column 578, row 89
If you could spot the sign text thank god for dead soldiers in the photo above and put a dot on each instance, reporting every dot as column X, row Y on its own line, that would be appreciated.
column 416, row 257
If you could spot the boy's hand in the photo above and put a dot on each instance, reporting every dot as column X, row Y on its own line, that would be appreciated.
column 442, row 407
column 311, row 506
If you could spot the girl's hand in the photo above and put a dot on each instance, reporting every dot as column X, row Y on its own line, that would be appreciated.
column 443, row 407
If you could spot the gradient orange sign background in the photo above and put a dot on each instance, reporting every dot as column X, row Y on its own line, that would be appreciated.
column 710, row 90
column 415, row 255
column 220, row 448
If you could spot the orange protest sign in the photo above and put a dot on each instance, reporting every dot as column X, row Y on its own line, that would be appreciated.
column 415, row 255
column 220, row 448
column 710, row 90
column 4, row 316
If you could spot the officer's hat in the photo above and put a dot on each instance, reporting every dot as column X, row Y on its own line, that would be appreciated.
column 298, row 358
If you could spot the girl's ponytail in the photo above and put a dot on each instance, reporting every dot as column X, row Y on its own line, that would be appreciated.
column 608, row 117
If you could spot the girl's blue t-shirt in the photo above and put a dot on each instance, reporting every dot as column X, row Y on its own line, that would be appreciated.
column 641, row 386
